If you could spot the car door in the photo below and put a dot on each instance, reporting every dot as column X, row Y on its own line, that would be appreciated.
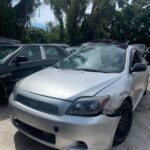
column 52, row 55
column 32, row 65
column 145, row 74
column 138, row 78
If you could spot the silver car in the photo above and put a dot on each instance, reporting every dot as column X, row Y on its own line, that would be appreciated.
column 85, row 101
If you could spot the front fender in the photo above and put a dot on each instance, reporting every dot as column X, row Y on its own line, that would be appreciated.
column 118, row 92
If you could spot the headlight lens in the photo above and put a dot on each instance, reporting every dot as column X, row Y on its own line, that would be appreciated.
column 88, row 106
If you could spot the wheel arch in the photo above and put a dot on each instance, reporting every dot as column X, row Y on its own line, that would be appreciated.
column 129, row 100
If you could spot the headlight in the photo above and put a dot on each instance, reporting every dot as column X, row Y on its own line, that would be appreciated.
column 16, row 88
column 88, row 106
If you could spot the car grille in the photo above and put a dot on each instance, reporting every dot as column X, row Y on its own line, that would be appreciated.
column 37, row 105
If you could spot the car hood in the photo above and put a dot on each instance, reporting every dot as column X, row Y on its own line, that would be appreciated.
column 67, row 84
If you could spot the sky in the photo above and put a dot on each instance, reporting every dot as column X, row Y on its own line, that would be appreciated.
column 42, row 16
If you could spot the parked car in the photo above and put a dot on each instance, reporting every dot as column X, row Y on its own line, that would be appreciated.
column 19, row 61
column 147, row 55
column 73, row 49
column 84, row 101
column 64, row 46
column 8, row 41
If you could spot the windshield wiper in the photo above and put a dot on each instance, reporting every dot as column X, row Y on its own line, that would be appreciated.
column 90, row 70
column 55, row 66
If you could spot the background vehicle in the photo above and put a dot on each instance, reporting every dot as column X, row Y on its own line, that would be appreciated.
column 147, row 55
column 88, row 100
column 19, row 61
column 73, row 49
column 64, row 46
column 8, row 41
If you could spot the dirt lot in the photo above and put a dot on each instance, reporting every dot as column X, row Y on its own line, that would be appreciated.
column 139, row 138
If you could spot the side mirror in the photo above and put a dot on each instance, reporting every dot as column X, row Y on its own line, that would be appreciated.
column 138, row 67
column 21, row 59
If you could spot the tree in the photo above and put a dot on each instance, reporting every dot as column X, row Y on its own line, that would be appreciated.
column 36, row 35
column 74, row 19
column 78, row 23
column 132, row 23
column 57, row 6
column 23, row 12
column 74, row 10
column 6, row 18
column 15, row 20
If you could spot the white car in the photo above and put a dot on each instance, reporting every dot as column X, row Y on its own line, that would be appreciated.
column 85, row 101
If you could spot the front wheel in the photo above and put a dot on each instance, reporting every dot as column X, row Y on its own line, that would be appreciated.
column 124, row 125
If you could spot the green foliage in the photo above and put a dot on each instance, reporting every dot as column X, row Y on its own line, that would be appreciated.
column 132, row 23
column 36, row 35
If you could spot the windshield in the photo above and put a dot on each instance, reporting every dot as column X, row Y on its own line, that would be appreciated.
column 107, row 59
column 5, row 52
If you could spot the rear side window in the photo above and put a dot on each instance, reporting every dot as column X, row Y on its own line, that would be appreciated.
column 51, row 52
column 33, row 53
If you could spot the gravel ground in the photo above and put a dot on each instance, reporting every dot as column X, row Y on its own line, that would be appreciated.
column 138, row 139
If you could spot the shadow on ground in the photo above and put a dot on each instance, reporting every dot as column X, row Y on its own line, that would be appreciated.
column 4, row 112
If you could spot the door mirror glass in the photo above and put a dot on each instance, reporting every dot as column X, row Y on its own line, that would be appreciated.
column 21, row 59
column 138, row 67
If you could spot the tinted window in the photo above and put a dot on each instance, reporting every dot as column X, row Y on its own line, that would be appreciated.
column 97, row 58
column 32, row 53
column 51, row 52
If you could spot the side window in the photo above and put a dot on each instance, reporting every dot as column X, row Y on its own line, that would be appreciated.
column 33, row 53
column 136, row 59
column 51, row 52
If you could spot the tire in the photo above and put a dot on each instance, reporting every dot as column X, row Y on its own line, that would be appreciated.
column 2, row 97
column 124, row 125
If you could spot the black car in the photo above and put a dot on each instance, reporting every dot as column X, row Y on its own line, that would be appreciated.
column 19, row 61
column 64, row 46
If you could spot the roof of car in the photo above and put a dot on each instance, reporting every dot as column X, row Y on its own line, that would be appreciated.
column 107, row 42
column 8, row 40
column 121, row 44
column 38, row 44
